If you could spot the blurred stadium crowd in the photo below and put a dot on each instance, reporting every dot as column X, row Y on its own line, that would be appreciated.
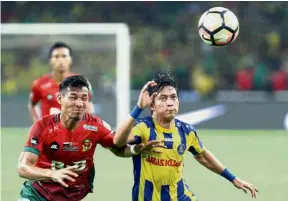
column 165, row 36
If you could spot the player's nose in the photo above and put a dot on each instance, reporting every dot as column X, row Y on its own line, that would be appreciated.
column 79, row 103
column 170, row 102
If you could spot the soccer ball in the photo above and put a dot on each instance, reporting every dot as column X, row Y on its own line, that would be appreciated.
column 218, row 26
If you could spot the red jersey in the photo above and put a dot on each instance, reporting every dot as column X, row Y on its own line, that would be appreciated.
column 58, row 148
column 45, row 89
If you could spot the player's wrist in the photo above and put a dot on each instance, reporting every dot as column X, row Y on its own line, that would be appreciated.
column 132, row 149
column 228, row 175
column 48, row 174
column 135, row 113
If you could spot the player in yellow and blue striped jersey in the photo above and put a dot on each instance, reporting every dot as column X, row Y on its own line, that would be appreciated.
column 158, row 174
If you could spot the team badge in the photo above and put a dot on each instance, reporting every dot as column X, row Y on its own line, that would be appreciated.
column 49, row 97
column 86, row 145
column 181, row 149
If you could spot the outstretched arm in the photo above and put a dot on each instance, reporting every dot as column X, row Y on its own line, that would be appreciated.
column 132, row 150
column 123, row 131
column 207, row 159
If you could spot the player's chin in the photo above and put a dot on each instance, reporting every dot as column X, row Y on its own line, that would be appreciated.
column 77, row 116
column 170, row 116
column 62, row 69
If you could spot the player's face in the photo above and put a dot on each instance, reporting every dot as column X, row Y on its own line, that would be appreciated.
column 166, row 103
column 61, row 60
column 74, row 102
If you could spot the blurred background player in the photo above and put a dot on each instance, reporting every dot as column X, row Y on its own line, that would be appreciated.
column 58, row 156
column 45, row 89
column 159, row 177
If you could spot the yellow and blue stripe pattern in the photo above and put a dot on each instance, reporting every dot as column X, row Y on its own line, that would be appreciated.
column 159, row 177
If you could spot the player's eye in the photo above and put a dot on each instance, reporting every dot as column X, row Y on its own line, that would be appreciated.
column 162, row 98
column 73, row 97
column 174, row 97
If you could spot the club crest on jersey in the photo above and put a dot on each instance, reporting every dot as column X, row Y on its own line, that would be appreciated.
column 90, row 128
column 86, row 145
column 181, row 149
column 49, row 97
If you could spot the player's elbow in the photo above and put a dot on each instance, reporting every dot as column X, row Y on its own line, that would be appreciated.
column 201, row 159
column 118, row 142
column 22, row 170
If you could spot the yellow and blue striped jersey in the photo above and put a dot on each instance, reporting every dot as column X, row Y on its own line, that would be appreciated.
column 159, row 177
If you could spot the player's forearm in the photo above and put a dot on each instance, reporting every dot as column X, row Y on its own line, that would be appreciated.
column 123, row 132
column 123, row 152
column 34, row 173
column 207, row 159
column 33, row 112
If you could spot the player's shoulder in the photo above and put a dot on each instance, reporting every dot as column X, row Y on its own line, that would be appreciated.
column 95, row 121
column 72, row 74
column 188, row 128
column 145, row 122
column 47, row 121
column 42, row 80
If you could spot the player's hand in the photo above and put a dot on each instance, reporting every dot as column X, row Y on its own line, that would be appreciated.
column 150, row 147
column 144, row 99
column 244, row 185
column 64, row 174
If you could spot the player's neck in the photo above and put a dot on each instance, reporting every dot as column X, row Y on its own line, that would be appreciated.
column 68, row 123
column 59, row 76
column 167, row 124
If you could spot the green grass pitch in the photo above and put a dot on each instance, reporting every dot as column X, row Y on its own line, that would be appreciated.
column 260, row 157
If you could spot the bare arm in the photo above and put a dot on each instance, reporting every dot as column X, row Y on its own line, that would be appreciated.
column 132, row 150
column 28, row 170
column 207, row 159
column 123, row 131
column 34, row 98
column 32, row 111
column 123, row 152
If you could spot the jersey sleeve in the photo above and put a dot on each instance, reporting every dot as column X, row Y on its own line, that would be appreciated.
column 137, row 133
column 34, row 143
column 107, row 136
column 35, row 94
column 196, row 145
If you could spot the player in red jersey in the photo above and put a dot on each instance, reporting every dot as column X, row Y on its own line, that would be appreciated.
column 45, row 88
column 58, row 156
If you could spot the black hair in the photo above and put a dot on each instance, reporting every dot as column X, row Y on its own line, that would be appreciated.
column 162, row 80
column 76, row 81
column 59, row 45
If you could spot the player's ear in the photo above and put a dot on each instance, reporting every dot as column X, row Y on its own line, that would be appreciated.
column 70, row 61
column 59, row 98
column 152, row 106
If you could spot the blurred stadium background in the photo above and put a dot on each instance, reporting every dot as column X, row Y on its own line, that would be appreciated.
column 243, row 87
